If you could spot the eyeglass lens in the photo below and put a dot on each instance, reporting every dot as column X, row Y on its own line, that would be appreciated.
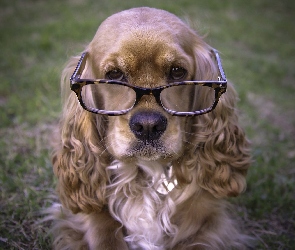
column 114, row 97
column 187, row 98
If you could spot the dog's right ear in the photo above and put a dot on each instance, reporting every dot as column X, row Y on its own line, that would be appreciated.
column 79, row 157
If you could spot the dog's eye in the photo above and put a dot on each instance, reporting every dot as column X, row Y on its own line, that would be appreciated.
column 115, row 74
column 177, row 73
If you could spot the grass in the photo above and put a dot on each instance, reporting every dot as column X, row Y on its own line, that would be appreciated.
column 256, row 39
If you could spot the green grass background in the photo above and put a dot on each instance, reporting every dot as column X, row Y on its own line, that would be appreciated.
column 256, row 41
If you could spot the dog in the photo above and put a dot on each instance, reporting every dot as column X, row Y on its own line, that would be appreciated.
column 149, row 146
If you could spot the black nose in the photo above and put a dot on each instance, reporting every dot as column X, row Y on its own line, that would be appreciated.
column 148, row 126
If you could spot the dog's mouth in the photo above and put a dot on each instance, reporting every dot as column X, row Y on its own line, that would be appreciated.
column 149, row 150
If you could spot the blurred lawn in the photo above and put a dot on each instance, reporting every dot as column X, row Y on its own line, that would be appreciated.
column 256, row 41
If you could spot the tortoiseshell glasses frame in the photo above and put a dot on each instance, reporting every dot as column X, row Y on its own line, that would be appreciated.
column 77, row 83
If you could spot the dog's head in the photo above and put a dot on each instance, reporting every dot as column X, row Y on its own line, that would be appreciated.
column 147, row 48
column 150, row 48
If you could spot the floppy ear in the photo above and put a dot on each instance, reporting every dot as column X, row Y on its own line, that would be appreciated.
column 221, row 148
column 78, row 158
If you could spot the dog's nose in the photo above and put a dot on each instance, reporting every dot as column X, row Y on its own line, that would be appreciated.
column 148, row 126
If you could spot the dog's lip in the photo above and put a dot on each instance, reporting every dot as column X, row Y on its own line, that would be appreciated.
column 148, row 145
column 149, row 150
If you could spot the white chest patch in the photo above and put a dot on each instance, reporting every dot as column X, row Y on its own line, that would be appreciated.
column 139, row 199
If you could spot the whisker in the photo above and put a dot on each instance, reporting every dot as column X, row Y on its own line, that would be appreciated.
column 191, row 134
column 196, row 145
column 105, row 149
column 188, row 133
column 175, row 153
column 188, row 142
column 107, row 146
column 104, row 138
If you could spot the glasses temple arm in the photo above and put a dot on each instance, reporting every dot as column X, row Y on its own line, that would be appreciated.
column 218, row 60
column 79, row 68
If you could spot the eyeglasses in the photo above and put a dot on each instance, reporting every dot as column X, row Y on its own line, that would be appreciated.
column 112, row 97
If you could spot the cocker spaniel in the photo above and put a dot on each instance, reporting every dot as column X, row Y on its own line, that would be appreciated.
column 150, row 146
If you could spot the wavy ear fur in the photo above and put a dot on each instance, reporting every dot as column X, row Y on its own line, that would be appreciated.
column 220, row 149
column 224, row 154
column 80, row 172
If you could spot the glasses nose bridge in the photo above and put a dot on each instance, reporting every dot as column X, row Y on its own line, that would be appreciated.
column 148, row 92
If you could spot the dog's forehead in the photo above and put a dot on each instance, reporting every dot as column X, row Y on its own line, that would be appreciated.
column 140, row 22
column 147, row 56
column 142, row 41
column 149, row 45
column 138, row 16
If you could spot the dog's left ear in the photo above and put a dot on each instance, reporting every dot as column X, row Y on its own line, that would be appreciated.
column 222, row 149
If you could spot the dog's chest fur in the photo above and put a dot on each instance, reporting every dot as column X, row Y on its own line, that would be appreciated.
column 140, row 198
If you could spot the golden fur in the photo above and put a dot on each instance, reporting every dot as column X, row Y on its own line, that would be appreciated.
column 108, row 179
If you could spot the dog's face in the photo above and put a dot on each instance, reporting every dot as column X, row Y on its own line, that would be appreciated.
column 147, row 131
column 146, row 48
